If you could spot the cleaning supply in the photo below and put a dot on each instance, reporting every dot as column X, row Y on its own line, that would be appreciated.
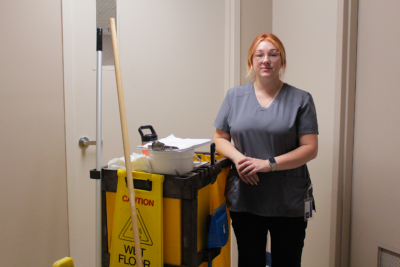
column 219, row 228
column 146, row 138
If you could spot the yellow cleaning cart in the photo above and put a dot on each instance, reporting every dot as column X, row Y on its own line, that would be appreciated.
column 186, row 207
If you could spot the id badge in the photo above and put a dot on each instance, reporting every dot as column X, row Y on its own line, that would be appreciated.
column 308, row 209
column 308, row 205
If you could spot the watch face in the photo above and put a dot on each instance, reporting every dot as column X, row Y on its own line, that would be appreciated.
column 272, row 160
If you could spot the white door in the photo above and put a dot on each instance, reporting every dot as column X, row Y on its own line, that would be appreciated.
column 173, row 59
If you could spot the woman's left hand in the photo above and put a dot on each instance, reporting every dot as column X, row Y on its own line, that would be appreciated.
column 250, row 166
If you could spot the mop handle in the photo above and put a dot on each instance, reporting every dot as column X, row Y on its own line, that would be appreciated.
column 99, row 37
column 125, row 139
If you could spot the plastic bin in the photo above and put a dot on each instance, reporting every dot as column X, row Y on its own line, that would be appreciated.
column 170, row 162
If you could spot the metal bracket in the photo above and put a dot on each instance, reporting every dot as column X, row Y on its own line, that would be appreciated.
column 84, row 142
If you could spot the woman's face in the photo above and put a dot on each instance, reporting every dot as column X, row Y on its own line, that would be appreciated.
column 266, row 61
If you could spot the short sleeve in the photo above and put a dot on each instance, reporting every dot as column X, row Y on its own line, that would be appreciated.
column 221, row 122
column 307, row 117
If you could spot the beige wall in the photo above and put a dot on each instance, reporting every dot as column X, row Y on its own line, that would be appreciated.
column 255, row 19
column 308, row 31
column 376, row 183
column 33, row 206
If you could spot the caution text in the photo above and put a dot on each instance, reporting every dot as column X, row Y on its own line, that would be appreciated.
column 131, row 260
column 138, row 200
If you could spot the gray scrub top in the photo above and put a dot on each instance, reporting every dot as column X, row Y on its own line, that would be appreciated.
column 263, row 133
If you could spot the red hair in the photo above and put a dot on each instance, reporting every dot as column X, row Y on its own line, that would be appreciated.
column 266, row 38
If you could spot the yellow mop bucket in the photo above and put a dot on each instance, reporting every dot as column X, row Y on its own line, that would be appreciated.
column 149, row 206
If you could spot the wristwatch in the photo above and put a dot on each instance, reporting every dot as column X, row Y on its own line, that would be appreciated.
column 272, row 163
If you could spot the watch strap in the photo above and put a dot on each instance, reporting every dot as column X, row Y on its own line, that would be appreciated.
column 272, row 163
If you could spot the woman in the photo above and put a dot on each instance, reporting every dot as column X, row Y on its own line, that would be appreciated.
column 274, row 129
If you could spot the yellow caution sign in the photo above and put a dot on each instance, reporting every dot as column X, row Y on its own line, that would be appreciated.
column 149, row 208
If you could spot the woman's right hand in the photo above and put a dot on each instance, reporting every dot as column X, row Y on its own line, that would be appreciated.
column 244, row 174
column 223, row 145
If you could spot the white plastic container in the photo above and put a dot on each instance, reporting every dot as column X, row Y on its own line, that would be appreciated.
column 164, row 162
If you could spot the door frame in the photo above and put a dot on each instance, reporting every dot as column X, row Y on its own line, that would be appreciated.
column 343, row 145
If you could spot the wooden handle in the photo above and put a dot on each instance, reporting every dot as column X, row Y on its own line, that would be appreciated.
column 125, row 139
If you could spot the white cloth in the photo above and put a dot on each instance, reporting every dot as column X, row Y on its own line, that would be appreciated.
column 139, row 163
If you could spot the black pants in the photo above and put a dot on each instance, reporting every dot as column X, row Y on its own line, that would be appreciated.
column 287, row 239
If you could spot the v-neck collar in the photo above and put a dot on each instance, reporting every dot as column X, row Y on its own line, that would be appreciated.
column 273, row 102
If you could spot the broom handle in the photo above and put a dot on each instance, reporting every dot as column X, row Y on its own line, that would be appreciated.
column 125, row 139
